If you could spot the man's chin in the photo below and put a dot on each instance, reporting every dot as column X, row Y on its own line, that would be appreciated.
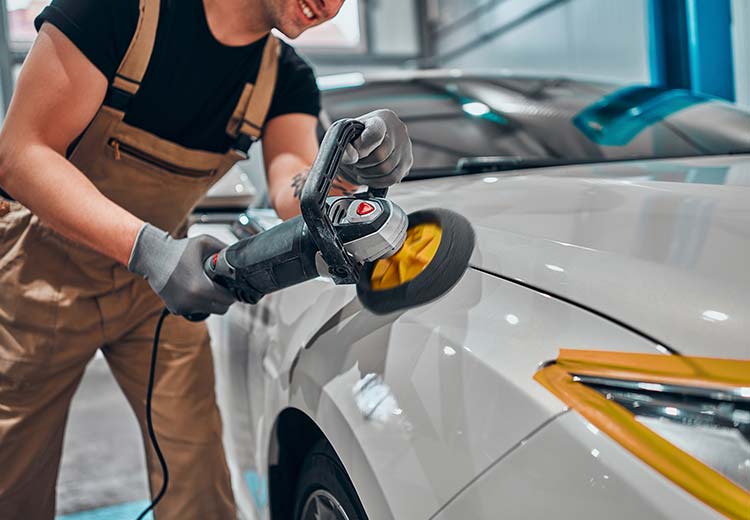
column 292, row 32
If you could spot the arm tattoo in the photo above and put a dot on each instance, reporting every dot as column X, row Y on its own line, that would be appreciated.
column 337, row 185
column 298, row 182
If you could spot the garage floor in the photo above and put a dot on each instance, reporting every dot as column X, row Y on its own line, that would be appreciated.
column 103, row 475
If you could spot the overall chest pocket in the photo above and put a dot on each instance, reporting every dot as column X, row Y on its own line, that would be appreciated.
column 124, row 151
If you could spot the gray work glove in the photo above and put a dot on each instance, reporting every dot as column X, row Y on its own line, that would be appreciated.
column 174, row 270
column 382, row 155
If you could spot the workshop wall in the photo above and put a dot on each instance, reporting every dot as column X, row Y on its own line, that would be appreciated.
column 601, row 38
column 393, row 27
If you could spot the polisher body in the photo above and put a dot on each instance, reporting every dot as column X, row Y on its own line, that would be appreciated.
column 287, row 254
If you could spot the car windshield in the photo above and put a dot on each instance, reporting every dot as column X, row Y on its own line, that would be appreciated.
column 459, row 124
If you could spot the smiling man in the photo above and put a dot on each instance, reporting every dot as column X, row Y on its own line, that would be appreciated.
column 125, row 113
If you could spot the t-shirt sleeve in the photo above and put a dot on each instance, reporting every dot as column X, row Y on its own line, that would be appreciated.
column 101, row 29
column 296, row 90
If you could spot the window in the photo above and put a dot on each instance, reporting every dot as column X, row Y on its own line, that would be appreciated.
column 343, row 33
column 21, row 14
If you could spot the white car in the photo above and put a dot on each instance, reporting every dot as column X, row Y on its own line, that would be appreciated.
column 593, row 361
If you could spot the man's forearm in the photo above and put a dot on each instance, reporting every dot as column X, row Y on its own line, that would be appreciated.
column 286, row 202
column 338, row 187
column 285, row 194
column 65, row 200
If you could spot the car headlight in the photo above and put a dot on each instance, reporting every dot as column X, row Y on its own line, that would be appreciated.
column 712, row 426
column 688, row 418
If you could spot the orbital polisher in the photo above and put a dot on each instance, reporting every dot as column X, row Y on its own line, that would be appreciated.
column 396, row 260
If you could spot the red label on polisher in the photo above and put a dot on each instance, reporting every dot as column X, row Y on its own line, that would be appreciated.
column 365, row 209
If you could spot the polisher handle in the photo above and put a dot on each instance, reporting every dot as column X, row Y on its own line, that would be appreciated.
column 315, row 192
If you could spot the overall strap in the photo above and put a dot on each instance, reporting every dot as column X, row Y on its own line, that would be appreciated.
column 246, row 124
column 133, row 66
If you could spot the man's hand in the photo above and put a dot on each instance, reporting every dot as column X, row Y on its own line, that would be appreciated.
column 382, row 155
column 174, row 270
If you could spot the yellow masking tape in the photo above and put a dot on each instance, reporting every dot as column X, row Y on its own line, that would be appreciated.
column 658, row 368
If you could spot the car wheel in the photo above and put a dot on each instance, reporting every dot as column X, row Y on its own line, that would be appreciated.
column 324, row 491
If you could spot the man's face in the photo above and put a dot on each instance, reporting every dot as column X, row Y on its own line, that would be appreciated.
column 293, row 17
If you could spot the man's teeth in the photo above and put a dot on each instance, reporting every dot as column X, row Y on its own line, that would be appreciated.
column 306, row 9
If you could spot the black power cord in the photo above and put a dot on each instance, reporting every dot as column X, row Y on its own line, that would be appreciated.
column 149, row 420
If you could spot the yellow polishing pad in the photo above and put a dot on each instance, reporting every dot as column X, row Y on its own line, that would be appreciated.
column 419, row 249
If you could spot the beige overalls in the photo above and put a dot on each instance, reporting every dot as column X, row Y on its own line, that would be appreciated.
column 60, row 302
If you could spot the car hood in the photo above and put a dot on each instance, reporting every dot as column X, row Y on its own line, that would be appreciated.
column 660, row 246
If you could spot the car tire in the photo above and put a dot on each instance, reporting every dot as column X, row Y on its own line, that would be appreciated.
column 324, row 488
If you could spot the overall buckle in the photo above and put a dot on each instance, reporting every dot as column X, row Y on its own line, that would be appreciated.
column 243, row 143
column 118, row 99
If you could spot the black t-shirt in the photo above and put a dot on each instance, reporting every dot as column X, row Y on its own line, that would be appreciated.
column 193, row 83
